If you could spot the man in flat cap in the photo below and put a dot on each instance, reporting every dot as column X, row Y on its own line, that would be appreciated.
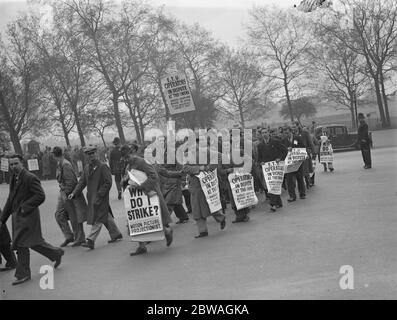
column 98, row 180
column 74, row 210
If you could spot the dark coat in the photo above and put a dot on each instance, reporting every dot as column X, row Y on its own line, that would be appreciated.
column 23, row 203
column 271, row 151
column 200, row 208
column 98, row 183
column 170, row 183
column 5, row 237
column 116, row 166
column 307, row 141
column 152, row 183
column 296, row 142
column 67, row 179
column 363, row 138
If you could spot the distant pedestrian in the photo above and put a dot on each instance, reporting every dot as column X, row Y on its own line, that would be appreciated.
column 364, row 141
column 116, row 166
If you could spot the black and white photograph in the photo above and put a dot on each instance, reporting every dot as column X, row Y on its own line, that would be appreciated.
column 207, row 152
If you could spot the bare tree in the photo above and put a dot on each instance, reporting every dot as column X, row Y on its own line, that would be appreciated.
column 282, row 39
column 241, row 77
column 20, row 86
column 373, row 35
column 342, row 79
column 197, row 51
column 115, row 39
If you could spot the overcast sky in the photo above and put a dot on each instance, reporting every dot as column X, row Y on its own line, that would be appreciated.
column 212, row 3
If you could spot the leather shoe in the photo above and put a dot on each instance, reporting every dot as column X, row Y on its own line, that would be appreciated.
column 223, row 224
column 169, row 236
column 119, row 237
column 202, row 235
column 77, row 244
column 291, row 200
column 88, row 244
column 180, row 221
column 22, row 280
column 59, row 258
column 66, row 242
column 138, row 251
column 302, row 197
column 6, row 268
column 245, row 219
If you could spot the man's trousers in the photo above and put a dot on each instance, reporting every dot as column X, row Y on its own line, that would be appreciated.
column 23, row 265
column 66, row 211
column 110, row 225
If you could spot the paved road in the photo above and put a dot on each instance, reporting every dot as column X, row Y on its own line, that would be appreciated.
column 349, row 218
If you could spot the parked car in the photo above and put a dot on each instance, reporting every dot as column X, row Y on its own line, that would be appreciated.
column 340, row 137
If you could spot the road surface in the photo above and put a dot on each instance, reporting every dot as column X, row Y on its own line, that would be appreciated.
column 348, row 218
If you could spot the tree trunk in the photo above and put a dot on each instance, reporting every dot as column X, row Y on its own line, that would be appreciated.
column 103, row 139
column 380, row 102
column 78, row 126
column 141, row 128
column 62, row 121
column 167, row 112
column 136, row 126
column 291, row 113
column 66, row 135
column 240, row 109
column 117, row 117
column 11, row 129
column 385, row 102
column 352, row 115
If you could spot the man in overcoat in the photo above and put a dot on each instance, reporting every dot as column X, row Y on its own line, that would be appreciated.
column 364, row 141
column 25, row 197
column 98, row 180
column 74, row 210
column 200, row 208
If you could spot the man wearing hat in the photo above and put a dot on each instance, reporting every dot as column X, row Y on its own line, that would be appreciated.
column 98, row 180
column 74, row 210
column 116, row 166
column 364, row 141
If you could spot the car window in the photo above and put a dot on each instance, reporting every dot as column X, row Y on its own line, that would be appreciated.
column 339, row 131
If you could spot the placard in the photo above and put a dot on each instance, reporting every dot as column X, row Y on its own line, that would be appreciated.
column 33, row 165
column 326, row 153
column 274, row 176
column 210, row 186
column 4, row 164
column 143, row 213
column 177, row 93
column 242, row 186
column 294, row 159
